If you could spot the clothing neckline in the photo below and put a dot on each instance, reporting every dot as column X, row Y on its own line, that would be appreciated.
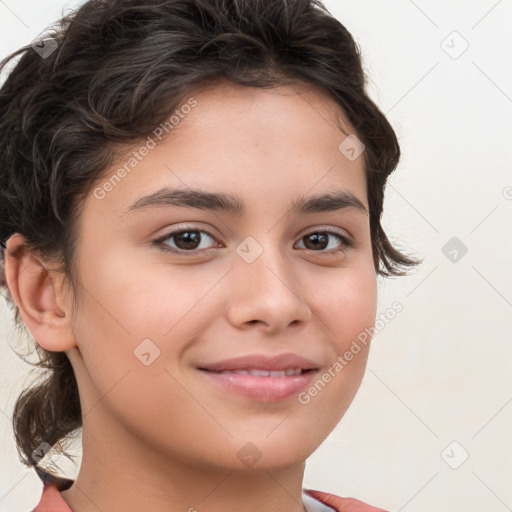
column 52, row 500
column 313, row 501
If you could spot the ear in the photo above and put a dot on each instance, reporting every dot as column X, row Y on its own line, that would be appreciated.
column 37, row 291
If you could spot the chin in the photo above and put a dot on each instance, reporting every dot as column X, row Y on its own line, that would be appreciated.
column 274, row 454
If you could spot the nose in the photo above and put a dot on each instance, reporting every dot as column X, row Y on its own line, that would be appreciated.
column 267, row 293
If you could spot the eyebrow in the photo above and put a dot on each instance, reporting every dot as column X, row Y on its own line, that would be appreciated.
column 190, row 198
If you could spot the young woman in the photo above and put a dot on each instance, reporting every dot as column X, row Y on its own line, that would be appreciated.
column 191, row 194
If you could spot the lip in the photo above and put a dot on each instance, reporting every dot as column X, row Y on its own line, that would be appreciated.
column 264, row 389
column 263, row 362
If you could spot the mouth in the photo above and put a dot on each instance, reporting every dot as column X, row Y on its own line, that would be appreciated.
column 264, row 373
column 262, row 378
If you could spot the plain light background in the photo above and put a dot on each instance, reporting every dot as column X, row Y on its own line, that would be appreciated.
column 438, row 385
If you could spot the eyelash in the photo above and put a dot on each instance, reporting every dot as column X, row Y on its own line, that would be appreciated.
column 159, row 243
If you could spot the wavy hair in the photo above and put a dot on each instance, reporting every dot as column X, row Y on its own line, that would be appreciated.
column 117, row 69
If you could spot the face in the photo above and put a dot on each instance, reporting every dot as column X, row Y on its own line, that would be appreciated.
column 185, row 309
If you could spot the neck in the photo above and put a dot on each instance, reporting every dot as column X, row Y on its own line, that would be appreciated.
column 137, row 477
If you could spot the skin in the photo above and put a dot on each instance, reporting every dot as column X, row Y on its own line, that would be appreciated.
column 160, row 437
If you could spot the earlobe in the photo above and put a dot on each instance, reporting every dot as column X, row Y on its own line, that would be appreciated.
column 38, row 294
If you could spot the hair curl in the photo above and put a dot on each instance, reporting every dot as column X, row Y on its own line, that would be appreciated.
column 120, row 68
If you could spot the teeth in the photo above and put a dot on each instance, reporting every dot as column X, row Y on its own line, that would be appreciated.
column 262, row 373
column 265, row 373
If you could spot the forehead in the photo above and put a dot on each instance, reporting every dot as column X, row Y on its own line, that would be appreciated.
column 276, row 107
column 245, row 139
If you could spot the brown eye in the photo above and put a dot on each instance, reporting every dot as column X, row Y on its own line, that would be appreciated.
column 188, row 241
column 318, row 241
column 184, row 241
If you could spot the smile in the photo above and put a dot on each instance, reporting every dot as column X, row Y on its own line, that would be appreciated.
column 261, row 377
column 265, row 373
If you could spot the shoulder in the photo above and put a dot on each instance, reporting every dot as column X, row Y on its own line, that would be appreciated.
column 342, row 504
column 51, row 499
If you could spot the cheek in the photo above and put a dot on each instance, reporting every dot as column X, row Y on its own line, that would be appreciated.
column 131, row 372
column 349, row 305
column 139, row 296
column 132, row 310
column 348, row 311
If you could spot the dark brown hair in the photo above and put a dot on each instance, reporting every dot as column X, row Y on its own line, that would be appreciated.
column 118, row 69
